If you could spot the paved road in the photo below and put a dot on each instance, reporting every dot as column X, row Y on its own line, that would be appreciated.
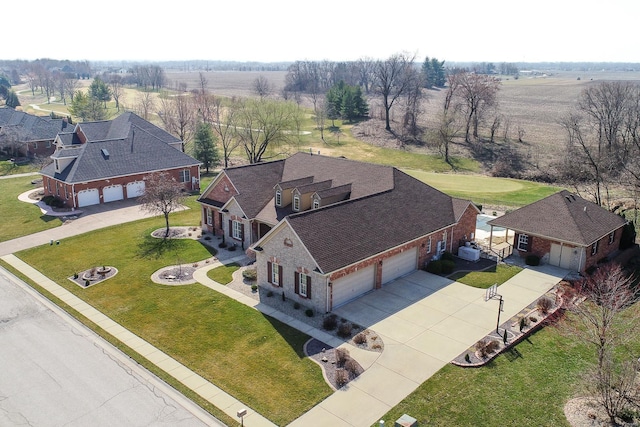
column 54, row 371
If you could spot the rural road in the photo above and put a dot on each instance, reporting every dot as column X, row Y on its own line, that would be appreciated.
column 58, row 372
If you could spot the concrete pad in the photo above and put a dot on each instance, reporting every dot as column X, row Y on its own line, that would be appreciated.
column 386, row 301
column 319, row 417
column 463, row 292
column 409, row 290
column 361, row 313
column 442, row 302
column 194, row 382
column 385, row 384
column 157, row 356
column 365, row 358
column 461, row 330
column 354, row 406
column 208, row 392
column 483, row 316
column 168, row 365
column 431, row 281
column 181, row 373
column 422, row 315
column 409, row 362
column 398, row 329
column 145, row 349
column 438, row 346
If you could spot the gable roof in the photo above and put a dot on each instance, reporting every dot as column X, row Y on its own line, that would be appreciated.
column 134, row 146
column 562, row 216
column 347, row 232
column 28, row 127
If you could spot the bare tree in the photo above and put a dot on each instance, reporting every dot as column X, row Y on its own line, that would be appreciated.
column 447, row 130
column 162, row 195
column 262, row 86
column 603, row 322
column 72, row 85
column 117, row 91
column 413, row 102
column 477, row 92
column 178, row 114
column 223, row 121
column 393, row 77
column 145, row 105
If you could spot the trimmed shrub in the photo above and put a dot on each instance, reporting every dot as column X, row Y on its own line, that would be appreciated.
column 270, row 294
column 448, row 266
column 344, row 330
column 467, row 358
column 296, row 305
column 341, row 377
column 434, row 267
column 447, row 256
column 250, row 274
column 532, row 260
column 254, row 288
column 342, row 355
column 481, row 347
column 544, row 304
column 352, row 367
column 360, row 339
column 222, row 245
column 309, row 312
column 330, row 322
column 492, row 346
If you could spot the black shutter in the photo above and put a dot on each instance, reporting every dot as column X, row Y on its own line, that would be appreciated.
column 280, row 275
column 297, row 282
column 230, row 228
column 242, row 232
column 529, row 243
column 309, row 287
column 269, row 272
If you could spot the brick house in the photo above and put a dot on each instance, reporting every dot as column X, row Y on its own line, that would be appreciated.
column 327, row 230
column 100, row 162
column 564, row 230
column 26, row 135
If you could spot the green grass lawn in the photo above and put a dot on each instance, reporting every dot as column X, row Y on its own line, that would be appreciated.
column 484, row 279
column 20, row 218
column 253, row 357
column 10, row 168
column 223, row 274
column 486, row 190
column 527, row 387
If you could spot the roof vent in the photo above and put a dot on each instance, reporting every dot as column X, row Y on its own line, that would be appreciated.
column 105, row 153
column 585, row 209
column 568, row 198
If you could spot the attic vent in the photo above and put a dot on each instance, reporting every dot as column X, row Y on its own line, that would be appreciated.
column 568, row 198
column 573, row 196
column 105, row 153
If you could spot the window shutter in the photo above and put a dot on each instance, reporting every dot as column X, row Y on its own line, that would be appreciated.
column 269, row 272
column 529, row 243
column 242, row 231
column 230, row 228
column 280, row 275
column 297, row 283
column 309, row 287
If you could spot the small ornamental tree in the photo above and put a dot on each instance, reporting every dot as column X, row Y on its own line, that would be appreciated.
column 162, row 195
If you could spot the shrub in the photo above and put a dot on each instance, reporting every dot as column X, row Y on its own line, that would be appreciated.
column 481, row 347
column 532, row 260
column 254, row 288
column 524, row 322
column 447, row 256
column 467, row 358
column 544, row 304
column 434, row 267
column 270, row 294
column 309, row 312
column 330, row 322
column 533, row 319
column 344, row 330
column 352, row 367
column 250, row 274
column 232, row 248
column 207, row 237
column 342, row 355
column 222, row 245
column 75, row 275
column 360, row 338
column 87, row 282
column 376, row 347
column 296, row 305
column 492, row 346
column 448, row 266
column 341, row 377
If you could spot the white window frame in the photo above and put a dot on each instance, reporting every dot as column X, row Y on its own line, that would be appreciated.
column 612, row 237
column 316, row 203
column 444, row 242
column 296, row 203
column 594, row 248
column 185, row 175
column 523, row 242
column 236, row 231
column 275, row 274
column 209, row 217
column 278, row 198
column 302, row 285
column 429, row 245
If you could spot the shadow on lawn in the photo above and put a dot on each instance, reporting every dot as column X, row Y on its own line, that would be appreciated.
column 292, row 336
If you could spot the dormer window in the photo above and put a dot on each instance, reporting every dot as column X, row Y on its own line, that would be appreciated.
column 316, row 203
column 278, row 198
column 296, row 203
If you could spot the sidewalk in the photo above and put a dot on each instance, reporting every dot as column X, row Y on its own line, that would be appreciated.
column 195, row 382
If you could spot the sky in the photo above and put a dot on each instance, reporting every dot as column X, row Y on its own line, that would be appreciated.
column 336, row 30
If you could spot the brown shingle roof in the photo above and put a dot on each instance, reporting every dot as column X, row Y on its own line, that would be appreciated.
column 344, row 233
column 562, row 216
column 255, row 185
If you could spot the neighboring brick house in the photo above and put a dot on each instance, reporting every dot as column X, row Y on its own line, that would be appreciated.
column 326, row 230
column 105, row 161
column 26, row 135
column 564, row 230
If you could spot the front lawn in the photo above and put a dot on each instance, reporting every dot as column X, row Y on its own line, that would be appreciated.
column 253, row 357
column 484, row 279
column 223, row 274
column 21, row 218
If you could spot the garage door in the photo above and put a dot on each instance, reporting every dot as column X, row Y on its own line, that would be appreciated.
column 88, row 197
column 399, row 265
column 135, row 189
column 565, row 256
column 352, row 286
column 112, row 193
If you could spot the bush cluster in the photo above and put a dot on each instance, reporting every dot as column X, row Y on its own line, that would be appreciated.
column 532, row 260
column 330, row 322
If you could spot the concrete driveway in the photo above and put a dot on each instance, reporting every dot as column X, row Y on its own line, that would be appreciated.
column 425, row 321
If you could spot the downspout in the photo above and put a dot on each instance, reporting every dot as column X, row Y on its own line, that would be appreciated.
column 73, row 193
column 328, row 287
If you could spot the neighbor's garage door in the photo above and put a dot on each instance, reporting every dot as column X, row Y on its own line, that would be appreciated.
column 112, row 193
column 135, row 189
column 352, row 286
column 88, row 197
column 399, row 265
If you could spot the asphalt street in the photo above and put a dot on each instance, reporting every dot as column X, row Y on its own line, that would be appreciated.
column 56, row 372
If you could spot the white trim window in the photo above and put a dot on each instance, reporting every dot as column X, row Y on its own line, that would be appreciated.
column 612, row 237
column 184, row 175
column 429, row 245
column 594, row 248
column 296, row 203
column 236, row 232
column 302, row 286
column 209, row 217
column 275, row 274
column 523, row 242
column 316, row 203
column 278, row 198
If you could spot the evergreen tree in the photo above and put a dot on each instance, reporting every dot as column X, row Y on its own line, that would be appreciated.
column 433, row 73
column 205, row 148
column 100, row 91
column 12, row 99
column 346, row 102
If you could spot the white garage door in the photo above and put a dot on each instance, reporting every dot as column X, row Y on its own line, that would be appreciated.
column 112, row 193
column 565, row 256
column 135, row 189
column 352, row 286
column 399, row 265
column 88, row 197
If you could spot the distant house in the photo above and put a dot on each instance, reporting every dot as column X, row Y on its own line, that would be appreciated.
column 564, row 230
column 100, row 162
column 327, row 230
column 26, row 135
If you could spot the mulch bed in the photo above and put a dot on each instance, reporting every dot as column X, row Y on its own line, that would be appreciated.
column 94, row 278
column 325, row 356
